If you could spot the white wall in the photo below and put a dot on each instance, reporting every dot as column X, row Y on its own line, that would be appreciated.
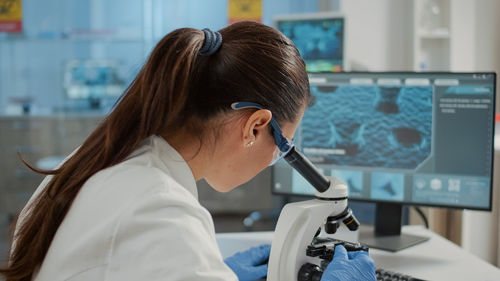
column 378, row 34
column 463, row 47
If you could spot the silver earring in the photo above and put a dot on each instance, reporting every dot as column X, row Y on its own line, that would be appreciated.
column 249, row 144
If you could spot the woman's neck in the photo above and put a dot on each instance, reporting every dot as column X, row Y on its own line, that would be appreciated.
column 191, row 151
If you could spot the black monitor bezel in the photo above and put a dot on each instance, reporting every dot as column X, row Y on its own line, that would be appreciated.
column 457, row 207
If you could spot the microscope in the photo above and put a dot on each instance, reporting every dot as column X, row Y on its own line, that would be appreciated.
column 297, row 246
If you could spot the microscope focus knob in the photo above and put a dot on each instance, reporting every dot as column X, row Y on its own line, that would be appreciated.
column 310, row 272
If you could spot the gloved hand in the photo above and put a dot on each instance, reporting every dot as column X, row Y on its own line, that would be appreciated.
column 347, row 266
column 248, row 265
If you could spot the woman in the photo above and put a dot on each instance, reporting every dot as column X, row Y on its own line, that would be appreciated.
column 124, row 205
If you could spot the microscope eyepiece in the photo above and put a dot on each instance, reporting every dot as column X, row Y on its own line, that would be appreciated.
column 302, row 165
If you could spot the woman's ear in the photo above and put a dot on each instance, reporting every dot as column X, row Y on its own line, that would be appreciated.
column 256, row 126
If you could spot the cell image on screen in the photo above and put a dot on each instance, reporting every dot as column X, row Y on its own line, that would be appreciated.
column 353, row 179
column 369, row 126
column 417, row 138
column 387, row 186
column 319, row 41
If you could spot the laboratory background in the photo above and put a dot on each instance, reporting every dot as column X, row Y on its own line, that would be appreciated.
column 405, row 90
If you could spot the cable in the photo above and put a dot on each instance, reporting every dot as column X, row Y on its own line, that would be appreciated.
column 422, row 215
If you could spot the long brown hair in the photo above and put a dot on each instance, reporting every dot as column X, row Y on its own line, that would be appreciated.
column 175, row 88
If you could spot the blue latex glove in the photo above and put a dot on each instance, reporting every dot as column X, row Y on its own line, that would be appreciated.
column 248, row 265
column 346, row 266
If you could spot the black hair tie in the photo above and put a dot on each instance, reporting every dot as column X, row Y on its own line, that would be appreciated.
column 213, row 41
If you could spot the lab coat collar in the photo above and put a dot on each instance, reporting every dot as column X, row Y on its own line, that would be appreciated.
column 177, row 167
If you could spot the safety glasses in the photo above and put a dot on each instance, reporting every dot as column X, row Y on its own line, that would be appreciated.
column 284, row 145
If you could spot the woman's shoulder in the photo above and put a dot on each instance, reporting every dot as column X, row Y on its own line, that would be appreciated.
column 131, row 181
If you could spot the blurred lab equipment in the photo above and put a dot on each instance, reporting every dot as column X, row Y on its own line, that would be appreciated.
column 92, row 80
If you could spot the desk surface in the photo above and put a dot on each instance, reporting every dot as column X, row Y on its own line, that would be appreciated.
column 436, row 259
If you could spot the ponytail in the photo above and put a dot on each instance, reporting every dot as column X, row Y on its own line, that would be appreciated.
column 149, row 106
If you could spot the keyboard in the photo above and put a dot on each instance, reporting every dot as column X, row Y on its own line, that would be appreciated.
column 386, row 275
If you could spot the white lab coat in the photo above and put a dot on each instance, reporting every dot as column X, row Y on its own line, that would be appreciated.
column 138, row 220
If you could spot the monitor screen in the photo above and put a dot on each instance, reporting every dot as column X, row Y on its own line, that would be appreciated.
column 319, row 39
column 410, row 138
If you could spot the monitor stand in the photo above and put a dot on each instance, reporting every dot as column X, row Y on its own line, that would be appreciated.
column 387, row 233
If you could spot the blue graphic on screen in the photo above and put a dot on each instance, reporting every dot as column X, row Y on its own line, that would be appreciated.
column 387, row 186
column 320, row 42
column 369, row 126
column 353, row 179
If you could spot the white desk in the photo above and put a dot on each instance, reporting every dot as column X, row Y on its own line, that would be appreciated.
column 436, row 259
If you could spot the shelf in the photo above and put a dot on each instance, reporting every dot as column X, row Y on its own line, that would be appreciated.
column 97, row 36
column 73, row 40
column 438, row 34
column 431, row 35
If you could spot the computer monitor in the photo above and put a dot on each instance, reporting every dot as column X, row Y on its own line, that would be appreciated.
column 399, row 138
column 319, row 38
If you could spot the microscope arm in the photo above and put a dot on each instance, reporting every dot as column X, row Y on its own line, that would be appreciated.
column 297, row 225
column 299, row 222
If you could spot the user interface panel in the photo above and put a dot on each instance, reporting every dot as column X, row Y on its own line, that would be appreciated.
column 416, row 138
